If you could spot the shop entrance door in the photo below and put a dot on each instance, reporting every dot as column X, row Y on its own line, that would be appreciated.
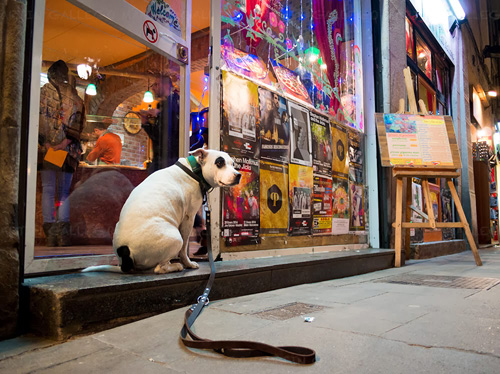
column 99, row 69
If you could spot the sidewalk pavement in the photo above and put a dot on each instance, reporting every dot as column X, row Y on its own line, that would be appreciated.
column 440, row 315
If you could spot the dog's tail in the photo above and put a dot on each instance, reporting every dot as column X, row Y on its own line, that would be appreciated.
column 107, row 268
column 127, row 263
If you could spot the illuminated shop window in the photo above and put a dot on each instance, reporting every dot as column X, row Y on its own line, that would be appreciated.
column 309, row 50
column 93, row 148
column 429, row 65
column 409, row 39
column 424, row 58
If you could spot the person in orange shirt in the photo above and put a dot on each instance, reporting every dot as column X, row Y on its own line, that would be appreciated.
column 108, row 148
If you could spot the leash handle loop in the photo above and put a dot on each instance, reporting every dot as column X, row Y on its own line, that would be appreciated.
column 235, row 348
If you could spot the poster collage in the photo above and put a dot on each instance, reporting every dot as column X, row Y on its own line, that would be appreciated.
column 302, row 174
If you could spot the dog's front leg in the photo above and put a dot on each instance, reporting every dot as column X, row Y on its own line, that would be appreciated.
column 185, row 230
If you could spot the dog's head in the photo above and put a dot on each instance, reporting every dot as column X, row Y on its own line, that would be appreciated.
column 217, row 167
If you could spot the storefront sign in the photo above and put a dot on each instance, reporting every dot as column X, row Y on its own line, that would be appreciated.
column 436, row 15
column 164, row 14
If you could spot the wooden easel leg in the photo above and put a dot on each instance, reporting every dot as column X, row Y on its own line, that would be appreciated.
column 399, row 226
column 408, row 218
column 465, row 224
column 428, row 203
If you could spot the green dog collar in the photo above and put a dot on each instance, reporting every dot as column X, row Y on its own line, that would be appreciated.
column 205, row 187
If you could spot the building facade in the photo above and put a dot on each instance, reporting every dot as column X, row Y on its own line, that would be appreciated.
column 291, row 97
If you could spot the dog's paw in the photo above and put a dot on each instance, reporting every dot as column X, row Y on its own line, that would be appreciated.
column 193, row 265
column 168, row 268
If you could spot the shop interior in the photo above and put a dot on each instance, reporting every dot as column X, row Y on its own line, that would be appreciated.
column 115, row 78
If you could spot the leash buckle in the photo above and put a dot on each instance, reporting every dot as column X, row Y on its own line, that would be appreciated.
column 200, row 298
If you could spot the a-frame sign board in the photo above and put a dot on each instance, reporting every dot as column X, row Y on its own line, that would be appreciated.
column 420, row 146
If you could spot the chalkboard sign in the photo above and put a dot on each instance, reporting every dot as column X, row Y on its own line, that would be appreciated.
column 417, row 141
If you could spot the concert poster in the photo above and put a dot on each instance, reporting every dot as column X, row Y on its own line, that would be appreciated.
column 322, row 205
column 300, row 196
column 240, row 116
column 340, row 161
column 241, row 205
column 249, row 65
column 273, row 199
column 290, row 83
column 357, row 205
column 300, row 135
column 355, row 148
column 356, row 173
column 274, row 127
column 340, row 206
column 321, row 145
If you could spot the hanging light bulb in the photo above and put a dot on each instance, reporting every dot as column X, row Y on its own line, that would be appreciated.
column 148, row 96
column 91, row 89
column 84, row 71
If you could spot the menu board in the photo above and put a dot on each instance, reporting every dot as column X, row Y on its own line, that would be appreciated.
column 417, row 141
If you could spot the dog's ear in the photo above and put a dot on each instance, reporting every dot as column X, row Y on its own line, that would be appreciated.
column 201, row 154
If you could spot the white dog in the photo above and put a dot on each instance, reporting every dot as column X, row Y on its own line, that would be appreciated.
column 158, row 216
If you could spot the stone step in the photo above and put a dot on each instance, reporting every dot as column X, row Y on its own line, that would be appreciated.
column 66, row 305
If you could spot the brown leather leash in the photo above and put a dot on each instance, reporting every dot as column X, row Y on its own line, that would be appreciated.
column 235, row 348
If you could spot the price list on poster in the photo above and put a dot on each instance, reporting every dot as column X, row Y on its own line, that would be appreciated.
column 417, row 140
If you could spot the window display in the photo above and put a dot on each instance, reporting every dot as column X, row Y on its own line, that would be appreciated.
column 108, row 111
column 299, row 62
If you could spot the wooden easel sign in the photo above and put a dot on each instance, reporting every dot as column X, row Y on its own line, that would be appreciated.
column 421, row 146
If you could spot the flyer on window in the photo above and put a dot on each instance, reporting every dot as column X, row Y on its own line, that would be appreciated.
column 340, row 161
column 340, row 206
column 273, row 199
column 240, row 116
column 322, row 205
column 300, row 197
column 357, row 206
column 241, row 205
column 355, row 148
column 275, row 127
column 300, row 135
column 321, row 145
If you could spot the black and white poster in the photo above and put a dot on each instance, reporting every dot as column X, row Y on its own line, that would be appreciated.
column 275, row 127
column 300, row 134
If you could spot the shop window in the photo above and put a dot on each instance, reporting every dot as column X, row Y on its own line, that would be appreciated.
column 318, row 43
column 429, row 65
column 424, row 58
column 107, row 115
column 292, row 117
column 410, row 46
column 428, row 95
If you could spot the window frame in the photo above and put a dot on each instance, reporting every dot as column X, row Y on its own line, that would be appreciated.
column 166, row 46
column 438, row 58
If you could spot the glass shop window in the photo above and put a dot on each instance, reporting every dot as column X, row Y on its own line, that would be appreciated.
column 410, row 45
column 428, row 95
column 429, row 65
column 424, row 57
column 309, row 51
column 108, row 113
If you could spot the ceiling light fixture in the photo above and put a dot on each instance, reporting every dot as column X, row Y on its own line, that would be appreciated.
column 91, row 89
column 492, row 93
column 148, row 96
column 84, row 71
